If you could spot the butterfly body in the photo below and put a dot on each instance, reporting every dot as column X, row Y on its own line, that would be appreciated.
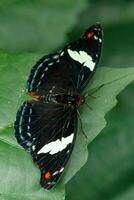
column 71, row 100
column 46, row 127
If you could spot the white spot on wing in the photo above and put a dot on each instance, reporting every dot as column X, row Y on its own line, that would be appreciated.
column 46, row 69
column 62, row 53
column 33, row 147
column 55, row 173
column 21, row 120
column 46, row 59
column 29, row 134
column 28, row 143
column 57, row 145
column 68, row 151
column 83, row 58
column 35, row 73
column 51, row 183
column 56, row 56
column 95, row 37
column 58, row 172
column 42, row 76
column 51, row 63
column 61, row 170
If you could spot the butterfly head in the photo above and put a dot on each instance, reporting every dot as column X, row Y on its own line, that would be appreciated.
column 80, row 100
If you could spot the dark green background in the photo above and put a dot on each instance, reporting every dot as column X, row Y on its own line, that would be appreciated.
column 44, row 26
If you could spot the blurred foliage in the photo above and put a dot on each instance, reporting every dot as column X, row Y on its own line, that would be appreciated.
column 36, row 25
column 45, row 25
column 109, row 172
column 19, row 178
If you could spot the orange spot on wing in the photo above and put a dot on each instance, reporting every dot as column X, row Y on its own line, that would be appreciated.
column 35, row 95
column 29, row 101
column 90, row 34
column 47, row 175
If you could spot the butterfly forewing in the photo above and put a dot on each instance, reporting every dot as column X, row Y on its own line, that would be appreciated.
column 71, row 68
column 84, row 54
column 47, row 126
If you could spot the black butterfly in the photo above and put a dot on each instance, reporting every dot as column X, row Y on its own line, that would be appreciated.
column 47, row 126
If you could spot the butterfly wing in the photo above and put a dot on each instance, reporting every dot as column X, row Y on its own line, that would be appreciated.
column 71, row 69
column 48, row 132
column 50, row 75
column 83, row 56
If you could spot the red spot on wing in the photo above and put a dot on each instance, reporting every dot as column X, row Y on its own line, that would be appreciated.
column 35, row 95
column 47, row 175
column 90, row 34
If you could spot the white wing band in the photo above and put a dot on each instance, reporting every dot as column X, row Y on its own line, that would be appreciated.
column 57, row 145
column 83, row 58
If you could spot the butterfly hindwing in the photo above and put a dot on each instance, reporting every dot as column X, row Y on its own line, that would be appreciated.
column 48, row 133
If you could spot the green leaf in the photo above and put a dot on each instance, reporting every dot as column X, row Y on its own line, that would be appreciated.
column 109, row 172
column 14, row 160
column 116, row 18
column 112, row 82
column 93, row 121
column 14, row 71
column 37, row 25
column 19, row 178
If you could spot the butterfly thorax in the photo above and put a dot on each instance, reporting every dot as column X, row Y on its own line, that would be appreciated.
column 67, row 99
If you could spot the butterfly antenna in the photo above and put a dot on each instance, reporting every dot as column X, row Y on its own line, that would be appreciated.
column 88, row 106
column 79, row 116
column 90, row 93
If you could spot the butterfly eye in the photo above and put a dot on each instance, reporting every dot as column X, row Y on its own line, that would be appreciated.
column 90, row 34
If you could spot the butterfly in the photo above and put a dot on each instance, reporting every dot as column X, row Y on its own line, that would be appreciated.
column 46, row 125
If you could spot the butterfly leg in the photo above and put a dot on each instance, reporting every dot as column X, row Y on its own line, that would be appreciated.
column 81, row 124
column 88, row 106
